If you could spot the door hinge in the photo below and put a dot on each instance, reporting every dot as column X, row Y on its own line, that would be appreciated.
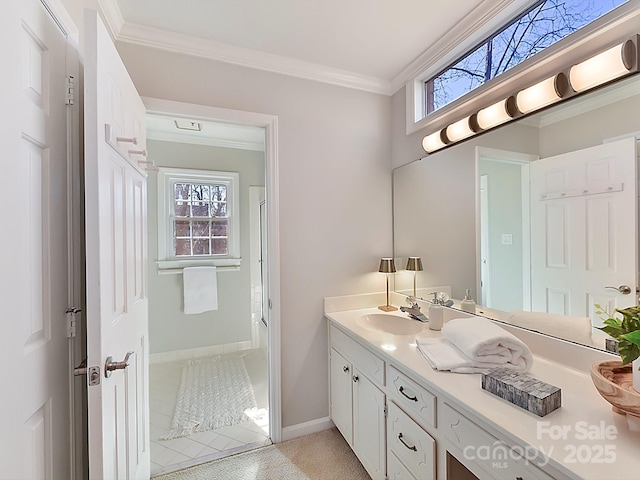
column 386, row 410
column 72, row 321
column 70, row 94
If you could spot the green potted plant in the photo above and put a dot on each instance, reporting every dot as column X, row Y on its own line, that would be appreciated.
column 627, row 331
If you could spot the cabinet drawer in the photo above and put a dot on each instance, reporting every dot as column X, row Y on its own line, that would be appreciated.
column 363, row 359
column 411, row 396
column 410, row 443
column 396, row 470
column 482, row 448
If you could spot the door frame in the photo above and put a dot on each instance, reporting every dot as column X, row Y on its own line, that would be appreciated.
column 524, row 160
column 270, row 124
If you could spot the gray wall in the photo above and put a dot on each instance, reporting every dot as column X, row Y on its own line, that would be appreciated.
column 169, row 328
column 505, row 216
column 591, row 128
column 335, row 195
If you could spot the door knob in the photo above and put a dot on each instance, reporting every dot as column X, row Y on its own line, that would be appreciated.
column 110, row 365
column 355, row 379
column 623, row 289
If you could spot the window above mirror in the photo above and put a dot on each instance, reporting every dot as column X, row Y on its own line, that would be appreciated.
column 533, row 30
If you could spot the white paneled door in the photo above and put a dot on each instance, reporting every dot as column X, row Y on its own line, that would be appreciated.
column 584, row 230
column 34, row 371
column 117, row 304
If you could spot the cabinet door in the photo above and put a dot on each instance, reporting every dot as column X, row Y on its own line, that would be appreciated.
column 341, row 396
column 369, row 433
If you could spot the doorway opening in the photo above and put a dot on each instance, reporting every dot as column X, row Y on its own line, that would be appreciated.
column 211, row 388
column 503, row 239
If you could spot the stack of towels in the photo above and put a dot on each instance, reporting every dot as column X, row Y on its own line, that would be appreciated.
column 475, row 345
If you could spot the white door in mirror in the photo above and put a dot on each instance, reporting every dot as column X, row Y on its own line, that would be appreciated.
column 584, row 220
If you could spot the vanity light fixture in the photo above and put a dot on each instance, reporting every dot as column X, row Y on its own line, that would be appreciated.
column 461, row 129
column 414, row 264
column 496, row 114
column 611, row 64
column 542, row 93
column 387, row 266
column 434, row 142
column 604, row 67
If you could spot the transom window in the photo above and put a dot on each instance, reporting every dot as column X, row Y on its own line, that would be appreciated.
column 540, row 26
column 197, row 217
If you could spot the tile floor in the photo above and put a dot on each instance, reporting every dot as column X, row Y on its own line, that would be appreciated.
column 170, row 455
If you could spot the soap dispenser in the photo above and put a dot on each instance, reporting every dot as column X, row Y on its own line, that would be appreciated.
column 467, row 304
column 435, row 313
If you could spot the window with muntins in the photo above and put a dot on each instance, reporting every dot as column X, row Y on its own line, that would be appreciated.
column 539, row 27
column 197, row 216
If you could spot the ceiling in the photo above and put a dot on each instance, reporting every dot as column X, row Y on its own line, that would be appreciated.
column 373, row 45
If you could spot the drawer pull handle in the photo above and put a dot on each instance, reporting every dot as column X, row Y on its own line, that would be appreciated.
column 413, row 448
column 413, row 399
column 345, row 369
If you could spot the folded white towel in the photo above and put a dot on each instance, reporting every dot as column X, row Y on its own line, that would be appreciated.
column 442, row 355
column 472, row 345
column 576, row 329
column 200, row 285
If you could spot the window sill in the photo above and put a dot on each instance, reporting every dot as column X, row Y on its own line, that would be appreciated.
column 174, row 267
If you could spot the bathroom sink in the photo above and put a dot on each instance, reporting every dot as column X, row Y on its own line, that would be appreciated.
column 385, row 323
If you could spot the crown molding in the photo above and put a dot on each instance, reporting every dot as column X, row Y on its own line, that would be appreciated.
column 479, row 23
column 212, row 50
column 208, row 141
column 112, row 16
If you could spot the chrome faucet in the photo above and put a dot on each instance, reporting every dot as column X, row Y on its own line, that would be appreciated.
column 414, row 310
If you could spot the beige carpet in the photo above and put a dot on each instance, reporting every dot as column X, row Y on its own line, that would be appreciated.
column 320, row 456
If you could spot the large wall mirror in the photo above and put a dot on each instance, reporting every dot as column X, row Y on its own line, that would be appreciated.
column 538, row 215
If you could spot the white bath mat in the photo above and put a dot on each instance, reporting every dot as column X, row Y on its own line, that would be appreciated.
column 213, row 393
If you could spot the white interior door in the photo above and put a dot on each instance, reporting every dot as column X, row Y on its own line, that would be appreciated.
column 116, row 239
column 34, row 405
column 584, row 230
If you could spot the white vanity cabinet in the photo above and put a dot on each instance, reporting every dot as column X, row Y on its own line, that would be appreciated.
column 358, row 402
column 470, row 442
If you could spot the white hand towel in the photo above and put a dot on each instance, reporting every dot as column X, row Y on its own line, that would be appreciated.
column 576, row 329
column 200, row 285
column 442, row 355
column 485, row 342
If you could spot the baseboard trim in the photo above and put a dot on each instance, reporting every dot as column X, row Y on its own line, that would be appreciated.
column 200, row 352
column 306, row 428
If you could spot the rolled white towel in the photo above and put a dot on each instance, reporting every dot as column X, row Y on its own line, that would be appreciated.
column 485, row 342
column 576, row 329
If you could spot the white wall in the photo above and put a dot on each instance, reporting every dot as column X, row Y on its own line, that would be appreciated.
column 335, row 195
column 169, row 328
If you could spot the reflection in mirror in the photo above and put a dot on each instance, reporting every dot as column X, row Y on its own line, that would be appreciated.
column 467, row 211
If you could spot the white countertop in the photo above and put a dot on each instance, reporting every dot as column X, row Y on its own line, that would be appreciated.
column 611, row 452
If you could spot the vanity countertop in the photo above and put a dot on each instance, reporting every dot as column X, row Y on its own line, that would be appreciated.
column 583, row 439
